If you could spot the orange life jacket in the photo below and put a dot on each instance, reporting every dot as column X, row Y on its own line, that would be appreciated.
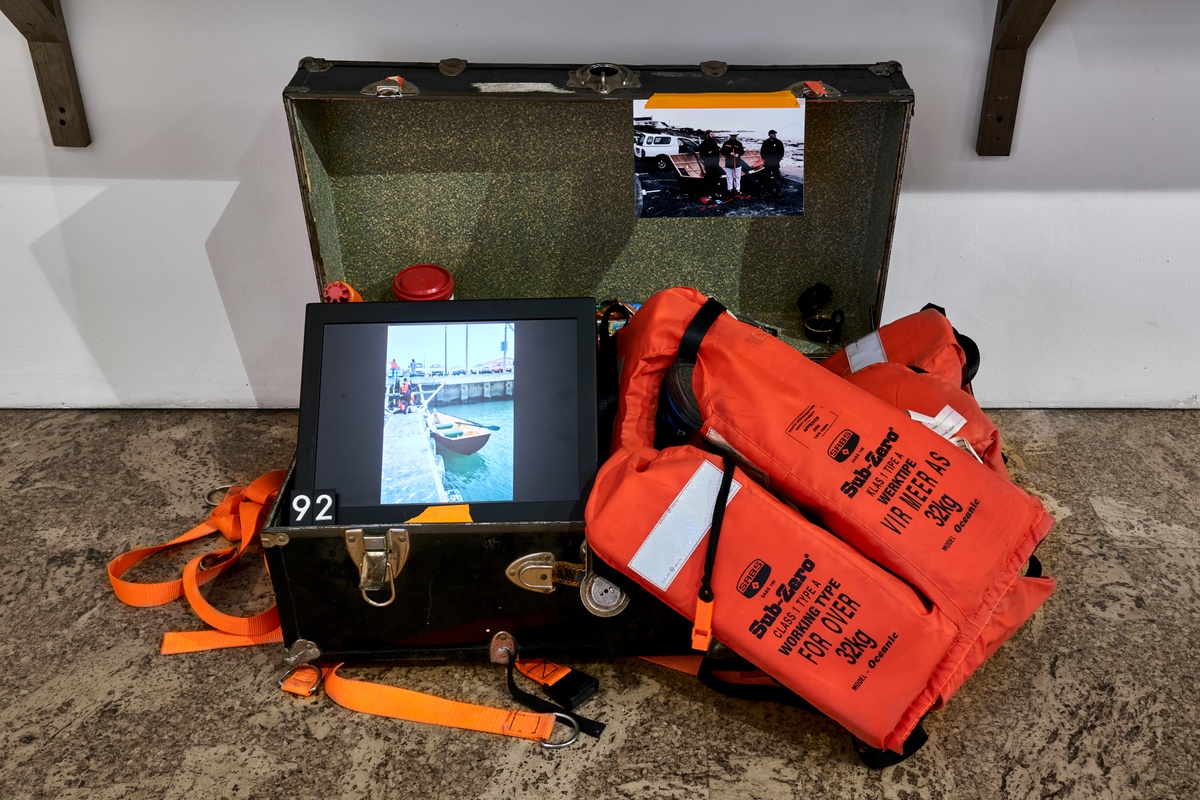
column 875, row 615
column 925, row 340
column 943, row 407
column 938, row 360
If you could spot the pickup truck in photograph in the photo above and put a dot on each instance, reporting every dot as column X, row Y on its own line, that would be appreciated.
column 659, row 147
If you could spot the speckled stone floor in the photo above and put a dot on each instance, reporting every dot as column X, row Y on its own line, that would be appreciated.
column 1096, row 697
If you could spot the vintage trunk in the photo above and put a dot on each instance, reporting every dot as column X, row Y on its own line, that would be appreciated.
column 522, row 182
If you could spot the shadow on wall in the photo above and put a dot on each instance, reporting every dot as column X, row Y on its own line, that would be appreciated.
column 156, row 327
column 263, row 267
column 150, row 326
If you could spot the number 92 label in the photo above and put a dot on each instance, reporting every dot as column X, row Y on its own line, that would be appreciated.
column 318, row 508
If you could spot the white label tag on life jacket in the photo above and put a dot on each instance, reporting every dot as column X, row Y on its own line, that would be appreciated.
column 963, row 444
column 947, row 423
column 681, row 528
column 866, row 351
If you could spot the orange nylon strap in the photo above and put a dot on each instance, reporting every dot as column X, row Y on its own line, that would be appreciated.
column 303, row 680
column 151, row 594
column 175, row 642
column 405, row 704
column 239, row 518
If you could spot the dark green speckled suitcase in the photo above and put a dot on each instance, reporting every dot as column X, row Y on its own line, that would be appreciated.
column 558, row 181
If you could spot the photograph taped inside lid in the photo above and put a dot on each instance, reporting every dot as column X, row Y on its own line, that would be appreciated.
column 725, row 162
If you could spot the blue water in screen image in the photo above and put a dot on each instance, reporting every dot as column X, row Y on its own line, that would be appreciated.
column 486, row 475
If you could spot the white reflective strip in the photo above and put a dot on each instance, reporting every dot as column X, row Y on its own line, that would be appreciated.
column 681, row 528
column 947, row 423
column 866, row 351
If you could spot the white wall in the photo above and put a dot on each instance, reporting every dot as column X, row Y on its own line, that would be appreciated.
column 167, row 264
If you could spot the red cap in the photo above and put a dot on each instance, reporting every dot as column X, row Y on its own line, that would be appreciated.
column 341, row 292
column 423, row 282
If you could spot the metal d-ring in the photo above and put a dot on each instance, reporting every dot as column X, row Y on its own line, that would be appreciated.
column 574, row 723
column 293, row 670
column 387, row 602
column 208, row 495
column 217, row 558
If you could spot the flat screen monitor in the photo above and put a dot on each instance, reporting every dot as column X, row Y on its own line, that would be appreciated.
column 407, row 406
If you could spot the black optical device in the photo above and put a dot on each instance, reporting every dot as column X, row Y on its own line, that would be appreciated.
column 409, row 406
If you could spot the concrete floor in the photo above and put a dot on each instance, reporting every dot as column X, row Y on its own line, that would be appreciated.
column 1096, row 697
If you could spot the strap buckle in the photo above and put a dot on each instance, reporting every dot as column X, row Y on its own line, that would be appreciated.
column 218, row 558
column 303, row 680
column 297, row 661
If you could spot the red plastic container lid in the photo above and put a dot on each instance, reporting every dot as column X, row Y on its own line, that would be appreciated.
column 423, row 282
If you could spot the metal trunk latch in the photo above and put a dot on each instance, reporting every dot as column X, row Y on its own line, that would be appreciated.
column 379, row 558
column 392, row 86
column 603, row 78
column 540, row 572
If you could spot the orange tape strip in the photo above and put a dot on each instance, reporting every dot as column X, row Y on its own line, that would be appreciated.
column 547, row 673
column 781, row 99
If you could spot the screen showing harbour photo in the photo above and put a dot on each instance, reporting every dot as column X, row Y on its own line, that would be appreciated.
column 412, row 405
column 449, row 401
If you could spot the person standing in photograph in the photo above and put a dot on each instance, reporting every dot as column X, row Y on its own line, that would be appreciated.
column 772, row 155
column 732, row 152
column 393, row 396
column 405, row 396
column 710, row 158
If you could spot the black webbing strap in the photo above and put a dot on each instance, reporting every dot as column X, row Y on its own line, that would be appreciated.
column 689, row 343
column 679, row 418
column 714, row 532
column 727, row 676
column 531, row 701
column 875, row 758
column 971, row 368
column 970, row 349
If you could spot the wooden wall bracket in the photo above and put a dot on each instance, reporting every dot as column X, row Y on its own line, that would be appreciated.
column 1017, row 22
column 41, row 23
